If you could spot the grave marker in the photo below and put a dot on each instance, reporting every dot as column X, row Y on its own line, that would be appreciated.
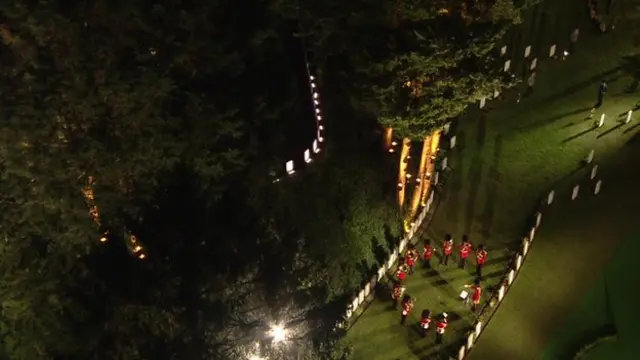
column 436, row 178
column 601, row 121
column 574, row 194
column 478, row 329
column 512, row 276
column 354, row 305
column 503, row 50
column 525, row 246
column 501, row 293
column 452, row 142
column 527, row 51
column 550, row 197
column 361, row 297
column 470, row 339
column 598, row 186
column 482, row 102
column 444, row 163
column 628, row 119
column 507, row 65
column 592, row 153
column 461, row 352
column 552, row 50
column 373, row 282
column 534, row 63
column 538, row 219
column 532, row 234
column 594, row 172
column 445, row 130
column 518, row 262
column 289, row 167
column 367, row 289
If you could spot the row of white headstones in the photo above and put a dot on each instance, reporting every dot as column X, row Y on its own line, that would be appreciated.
column 315, row 148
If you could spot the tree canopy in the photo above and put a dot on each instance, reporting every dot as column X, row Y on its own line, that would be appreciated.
column 151, row 122
column 413, row 64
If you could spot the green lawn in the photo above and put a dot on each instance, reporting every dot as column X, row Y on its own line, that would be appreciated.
column 505, row 159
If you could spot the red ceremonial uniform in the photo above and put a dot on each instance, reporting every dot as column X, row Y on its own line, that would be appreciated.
column 410, row 258
column 407, row 307
column 465, row 249
column 481, row 257
column 428, row 252
column 401, row 272
column 447, row 247
column 477, row 293
column 441, row 326
column 425, row 322
column 397, row 292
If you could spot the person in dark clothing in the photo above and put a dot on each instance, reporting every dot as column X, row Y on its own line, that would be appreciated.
column 602, row 89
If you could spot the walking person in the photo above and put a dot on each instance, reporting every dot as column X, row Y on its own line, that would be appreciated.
column 465, row 250
column 477, row 294
column 428, row 253
column 425, row 322
column 481, row 259
column 602, row 90
column 447, row 249
column 411, row 256
column 441, row 327
column 401, row 270
column 407, row 308
column 398, row 291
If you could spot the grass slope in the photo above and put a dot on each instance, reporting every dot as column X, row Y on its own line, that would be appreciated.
column 503, row 162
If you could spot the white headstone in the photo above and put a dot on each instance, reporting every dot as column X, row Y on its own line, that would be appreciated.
column 478, row 329
column 367, row 289
column 289, row 167
column 307, row 156
column 518, row 262
column 496, row 93
column 601, row 121
column 525, row 247
column 503, row 50
column 512, row 276
column 316, row 148
column 501, row 293
column 552, row 50
column 483, row 102
column 444, row 163
column 470, row 339
column 532, row 234
column 403, row 243
column 507, row 65
column 550, row 197
column 628, row 119
column 452, row 142
column 462, row 352
column 592, row 153
column 594, row 171
column 538, row 219
column 354, row 304
column 348, row 314
column 574, row 194
column 373, row 282
column 436, row 178
column 381, row 271
column 361, row 297
column 598, row 186
column 534, row 63
column 527, row 51
column 446, row 127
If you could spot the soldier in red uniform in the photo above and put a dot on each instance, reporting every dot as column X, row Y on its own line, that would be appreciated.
column 481, row 258
column 447, row 249
column 410, row 257
column 428, row 253
column 396, row 294
column 425, row 322
column 441, row 327
column 402, row 270
column 407, row 308
column 477, row 294
column 465, row 250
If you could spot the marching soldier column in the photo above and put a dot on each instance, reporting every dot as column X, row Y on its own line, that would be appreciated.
column 406, row 266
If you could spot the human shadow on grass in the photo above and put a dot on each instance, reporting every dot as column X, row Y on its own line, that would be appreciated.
column 573, row 137
column 475, row 176
column 583, row 84
column 449, row 346
column 631, row 128
column 495, row 179
column 610, row 130
column 539, row 124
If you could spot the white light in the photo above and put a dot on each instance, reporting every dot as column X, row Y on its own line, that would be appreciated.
column 313, row 85
column 289, row 167
column 320, row 127
column 317, row 111
column 315, row 95
column 307, row 156
column 278, row 333
column 319, row 117
column 311, row 77
column 315, row 147
column 316, row 102
column 320, row 139
column 566, row 53
column 255, row 357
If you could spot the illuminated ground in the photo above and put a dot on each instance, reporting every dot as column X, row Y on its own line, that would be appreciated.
column 503, row 162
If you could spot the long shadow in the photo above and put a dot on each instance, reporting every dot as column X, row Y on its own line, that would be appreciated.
column 552, row 119
column 443, row 283
column 495, row 178
column 581, row 85
column 610, row 130
column 631, row 128
column 451, row 195
column 475, row 175
column 578, row 135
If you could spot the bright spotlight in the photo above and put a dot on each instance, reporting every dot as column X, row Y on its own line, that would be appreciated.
column 278, row 333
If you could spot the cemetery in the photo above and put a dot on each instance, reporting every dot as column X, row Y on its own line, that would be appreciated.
column 519, row 167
